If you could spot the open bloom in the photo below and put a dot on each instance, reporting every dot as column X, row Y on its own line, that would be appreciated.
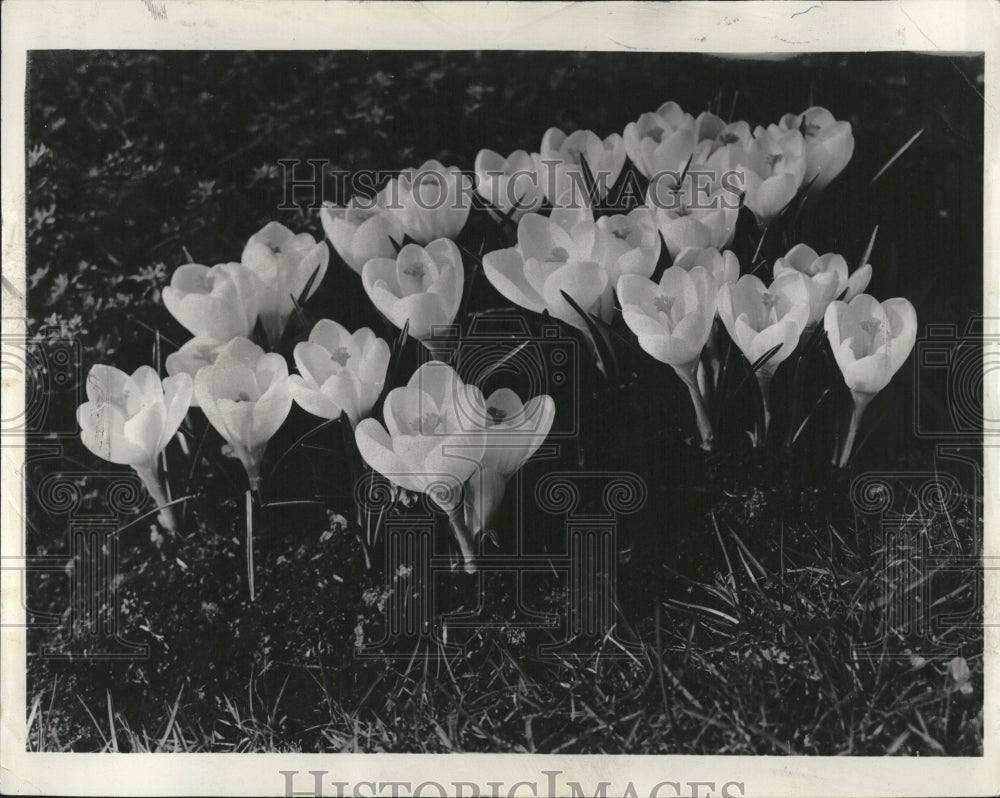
column 829, row 143
column 870, row 341
column 130, row 419
column 360, row 231
column 216, row 303
column 662, row 140
column 429, row 202
column 510, row 184
column 774, row 166
column 758, row 320
column 198, row 353
column 625, row 244
column 692, row 214
column 570, row 252
column 673, row 321
column 513, row 433
column 339, row 371
column 245, row 396
column 552, row 255
column 560, row 157
column 284, row 263
column 422, row 286
column 823, row 277
column 432, row 441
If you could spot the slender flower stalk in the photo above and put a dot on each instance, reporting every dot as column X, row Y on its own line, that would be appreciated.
column 861, row 402
column 689, row 375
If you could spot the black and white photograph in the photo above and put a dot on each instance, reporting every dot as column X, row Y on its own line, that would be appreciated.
column 500, row 395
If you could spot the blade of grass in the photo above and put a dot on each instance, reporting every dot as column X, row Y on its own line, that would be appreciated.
column 895, row 157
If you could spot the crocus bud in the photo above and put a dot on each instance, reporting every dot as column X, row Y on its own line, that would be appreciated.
column 339, row 371
column 360, row 231
column 829, row 143
column 509, row 184
column 422, row 286
column 130, row 419
column 284, row 264
column 217, row 303
column 245, row 396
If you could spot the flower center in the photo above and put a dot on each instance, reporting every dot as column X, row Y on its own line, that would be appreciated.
column 773, row 160
column 429, row 423
column 622, row 233
column 558, row 255
column 728, row 138
column 275, row 248
column 664, row 303
column 656, row 134
column 496, row 415
column 341, row 355
column 871, row 326
column 769, row 300
column 243, row 397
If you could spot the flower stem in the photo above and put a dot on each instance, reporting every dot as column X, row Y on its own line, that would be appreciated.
column 688, row 375
column 249, row 545
column 860, row 403
column 151, row 479
column 466, row 540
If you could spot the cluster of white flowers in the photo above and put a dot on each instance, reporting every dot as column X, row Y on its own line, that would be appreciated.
column 443, row 437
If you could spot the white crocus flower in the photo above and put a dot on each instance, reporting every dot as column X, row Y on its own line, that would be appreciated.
column 829, row 143
column 129, row 420
column 217, row 303
column 430, row 202
column 826, row 277
column 339, row 371
column 432, row 442
column 245, row 396
column 284, row 264
column 870, row 342
column 560, row 162
column 513, row 433
column 360, row 231
column 662, row 140
column 774, row 167
column 421, row 285
column 758, row 320
column 673, row 321
column 509, row 184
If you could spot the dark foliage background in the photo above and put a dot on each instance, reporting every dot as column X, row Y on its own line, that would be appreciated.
column 139, row 162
